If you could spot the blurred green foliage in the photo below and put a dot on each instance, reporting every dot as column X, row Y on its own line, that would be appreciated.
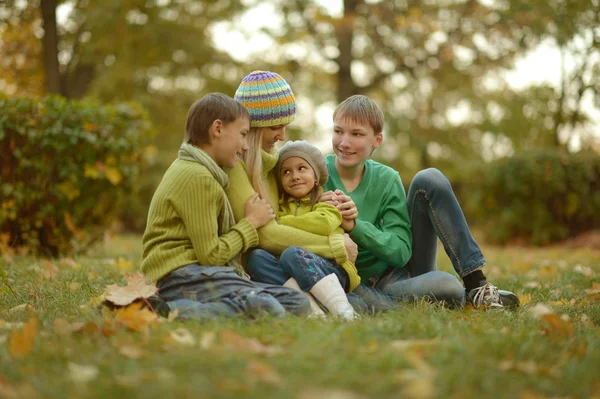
column 67, row 168
column 536, row 196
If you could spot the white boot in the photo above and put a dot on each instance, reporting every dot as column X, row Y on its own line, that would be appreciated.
column 316, row 309
column 330, row 293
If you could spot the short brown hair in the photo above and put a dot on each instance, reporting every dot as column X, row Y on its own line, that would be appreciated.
column 208, row 109
column 361, row 109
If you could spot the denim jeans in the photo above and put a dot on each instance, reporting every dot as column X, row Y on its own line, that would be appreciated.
column 198, row 292
column 434, row 214
column 308, row 268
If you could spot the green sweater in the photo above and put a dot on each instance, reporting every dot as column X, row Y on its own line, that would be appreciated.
column 274, row 237
column 382, row 230
column 183, row 223
column 322, row 219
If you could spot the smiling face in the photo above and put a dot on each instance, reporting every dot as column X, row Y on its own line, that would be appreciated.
column 231, row 141
column 297, row 177
column 271, row 135
column 353, row 142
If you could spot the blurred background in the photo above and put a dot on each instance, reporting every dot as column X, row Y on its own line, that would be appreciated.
column 503, row 96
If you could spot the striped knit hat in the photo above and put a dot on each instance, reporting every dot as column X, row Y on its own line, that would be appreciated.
column 268, row 99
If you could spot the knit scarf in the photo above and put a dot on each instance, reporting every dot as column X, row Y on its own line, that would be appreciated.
column 188, row 152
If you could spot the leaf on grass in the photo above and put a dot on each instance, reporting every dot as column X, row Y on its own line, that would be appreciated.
column 329, row 394
column 50, row 270
column 22, row 340
column 248, row 345
column 136, row 288
column 524, row 299
column 554, row 325
column 258, row 371
column 74, row 286
column 92, row 328
column 81, row 373
column 182, row 336
column 414, row 344
column 207, row 339
column 19, row 308
column 63, row 327
column 6, row 389
column 135, row 318
column 594, row 292
column 92, row 274
column 70, row 262
column 584, row 270
column 527, row 367
column 131, row 351
column 532, row 284
column 6, row 325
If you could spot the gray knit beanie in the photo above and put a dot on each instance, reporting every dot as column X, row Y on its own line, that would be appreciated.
column 308, row 152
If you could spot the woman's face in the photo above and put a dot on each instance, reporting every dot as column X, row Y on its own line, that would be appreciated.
column 353, row 142
column 271, row 135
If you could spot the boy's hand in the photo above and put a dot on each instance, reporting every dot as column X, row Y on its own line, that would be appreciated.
column 259, row 212
column 351, row 248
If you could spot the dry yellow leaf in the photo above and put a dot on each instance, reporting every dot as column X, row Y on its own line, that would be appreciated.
column 131, row 351
column 556, row 326
column 182, row 336
column 22, row 340
column 249, row 345
column 50, row 270
column 258, row 371
column 82, row 373
column 136, row 288
column 63, row 327
column 135, row 318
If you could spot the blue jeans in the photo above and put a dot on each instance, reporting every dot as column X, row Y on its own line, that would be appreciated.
column 434, row 214
column 198, row 292
column 308, row 268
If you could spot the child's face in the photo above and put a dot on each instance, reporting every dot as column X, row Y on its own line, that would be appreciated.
column 353, row 142
column 231, row 143
column 297, row 177
column 271, row 135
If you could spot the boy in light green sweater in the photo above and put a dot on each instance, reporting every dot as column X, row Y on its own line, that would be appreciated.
column 192, row 244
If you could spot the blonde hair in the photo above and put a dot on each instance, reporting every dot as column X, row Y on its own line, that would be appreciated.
column 253, row 160
column 361, row 109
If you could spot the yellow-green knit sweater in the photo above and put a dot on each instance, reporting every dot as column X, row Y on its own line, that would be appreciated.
column 183, row 223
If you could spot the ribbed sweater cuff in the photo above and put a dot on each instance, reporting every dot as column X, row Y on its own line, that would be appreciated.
column 248, row 233
column 336, row 241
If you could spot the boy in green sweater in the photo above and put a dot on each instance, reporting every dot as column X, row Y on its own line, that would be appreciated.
column 192, row 244
column 302, row 173
column 397, row 236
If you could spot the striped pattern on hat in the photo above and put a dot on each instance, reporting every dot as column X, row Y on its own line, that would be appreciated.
column 268, row 99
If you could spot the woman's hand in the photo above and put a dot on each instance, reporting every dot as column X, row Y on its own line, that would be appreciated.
column 259, row 212
column 351, row 248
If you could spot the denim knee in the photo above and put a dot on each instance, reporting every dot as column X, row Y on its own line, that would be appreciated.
column 431, row 179
column 291, row 253
column 254, row 259
column 449, row 290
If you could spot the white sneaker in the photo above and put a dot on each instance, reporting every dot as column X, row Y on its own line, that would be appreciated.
column 486, row 296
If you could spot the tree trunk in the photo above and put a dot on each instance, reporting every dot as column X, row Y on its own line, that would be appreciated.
column 50, row 46
column 345, row 33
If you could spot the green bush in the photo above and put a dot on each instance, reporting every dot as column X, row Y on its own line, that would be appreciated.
column 536, row 196
column 67, row 167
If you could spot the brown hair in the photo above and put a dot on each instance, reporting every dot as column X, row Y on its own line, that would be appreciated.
column 361, row 109
column 208, row 109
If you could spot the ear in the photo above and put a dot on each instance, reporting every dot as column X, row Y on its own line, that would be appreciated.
column 378, row 139
column 215, row 129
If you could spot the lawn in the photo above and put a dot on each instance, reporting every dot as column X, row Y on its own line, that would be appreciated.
column 55, row 342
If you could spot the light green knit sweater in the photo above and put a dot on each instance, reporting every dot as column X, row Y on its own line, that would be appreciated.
column 183, row 223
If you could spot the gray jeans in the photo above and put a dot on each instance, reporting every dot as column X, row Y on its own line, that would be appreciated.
column 198, row 292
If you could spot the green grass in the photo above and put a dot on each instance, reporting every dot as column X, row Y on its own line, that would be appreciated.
column 471, row 353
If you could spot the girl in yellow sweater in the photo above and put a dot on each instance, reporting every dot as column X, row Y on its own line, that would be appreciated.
column 192, row 243
column 302, row 171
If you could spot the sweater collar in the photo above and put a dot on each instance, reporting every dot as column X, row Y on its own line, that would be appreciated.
column 269, row 160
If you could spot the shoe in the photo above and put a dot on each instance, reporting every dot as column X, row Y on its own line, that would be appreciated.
column 486, row 296
column 330, row 293
column 159, row 305
column 509, row 299
column 315, row 309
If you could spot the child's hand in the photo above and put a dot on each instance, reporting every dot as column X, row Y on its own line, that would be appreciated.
column 329, row 197
column 259, row 212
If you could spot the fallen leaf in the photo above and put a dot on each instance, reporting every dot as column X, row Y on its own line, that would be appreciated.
column 207, row 339
column 528, row 367
column 19, row 308
column 74, row 286
column 183, row 337
column 50, row 270
column 418, row 344
column 131, row 351
column 6, row 389
column 258, row 371
column 136, row 287
column 532, row 284
column 124, row 264
column 249, row 345
column 92, row 274
column 136, row 318
column 329, row 394
column 524, row 299
column 557, row 326
column 22, row 340
column 92, row 328
column 63, row 327
column 5, row 325
column 82, row 373
column 584, row 270
column 539, row 310
column 70, row 262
